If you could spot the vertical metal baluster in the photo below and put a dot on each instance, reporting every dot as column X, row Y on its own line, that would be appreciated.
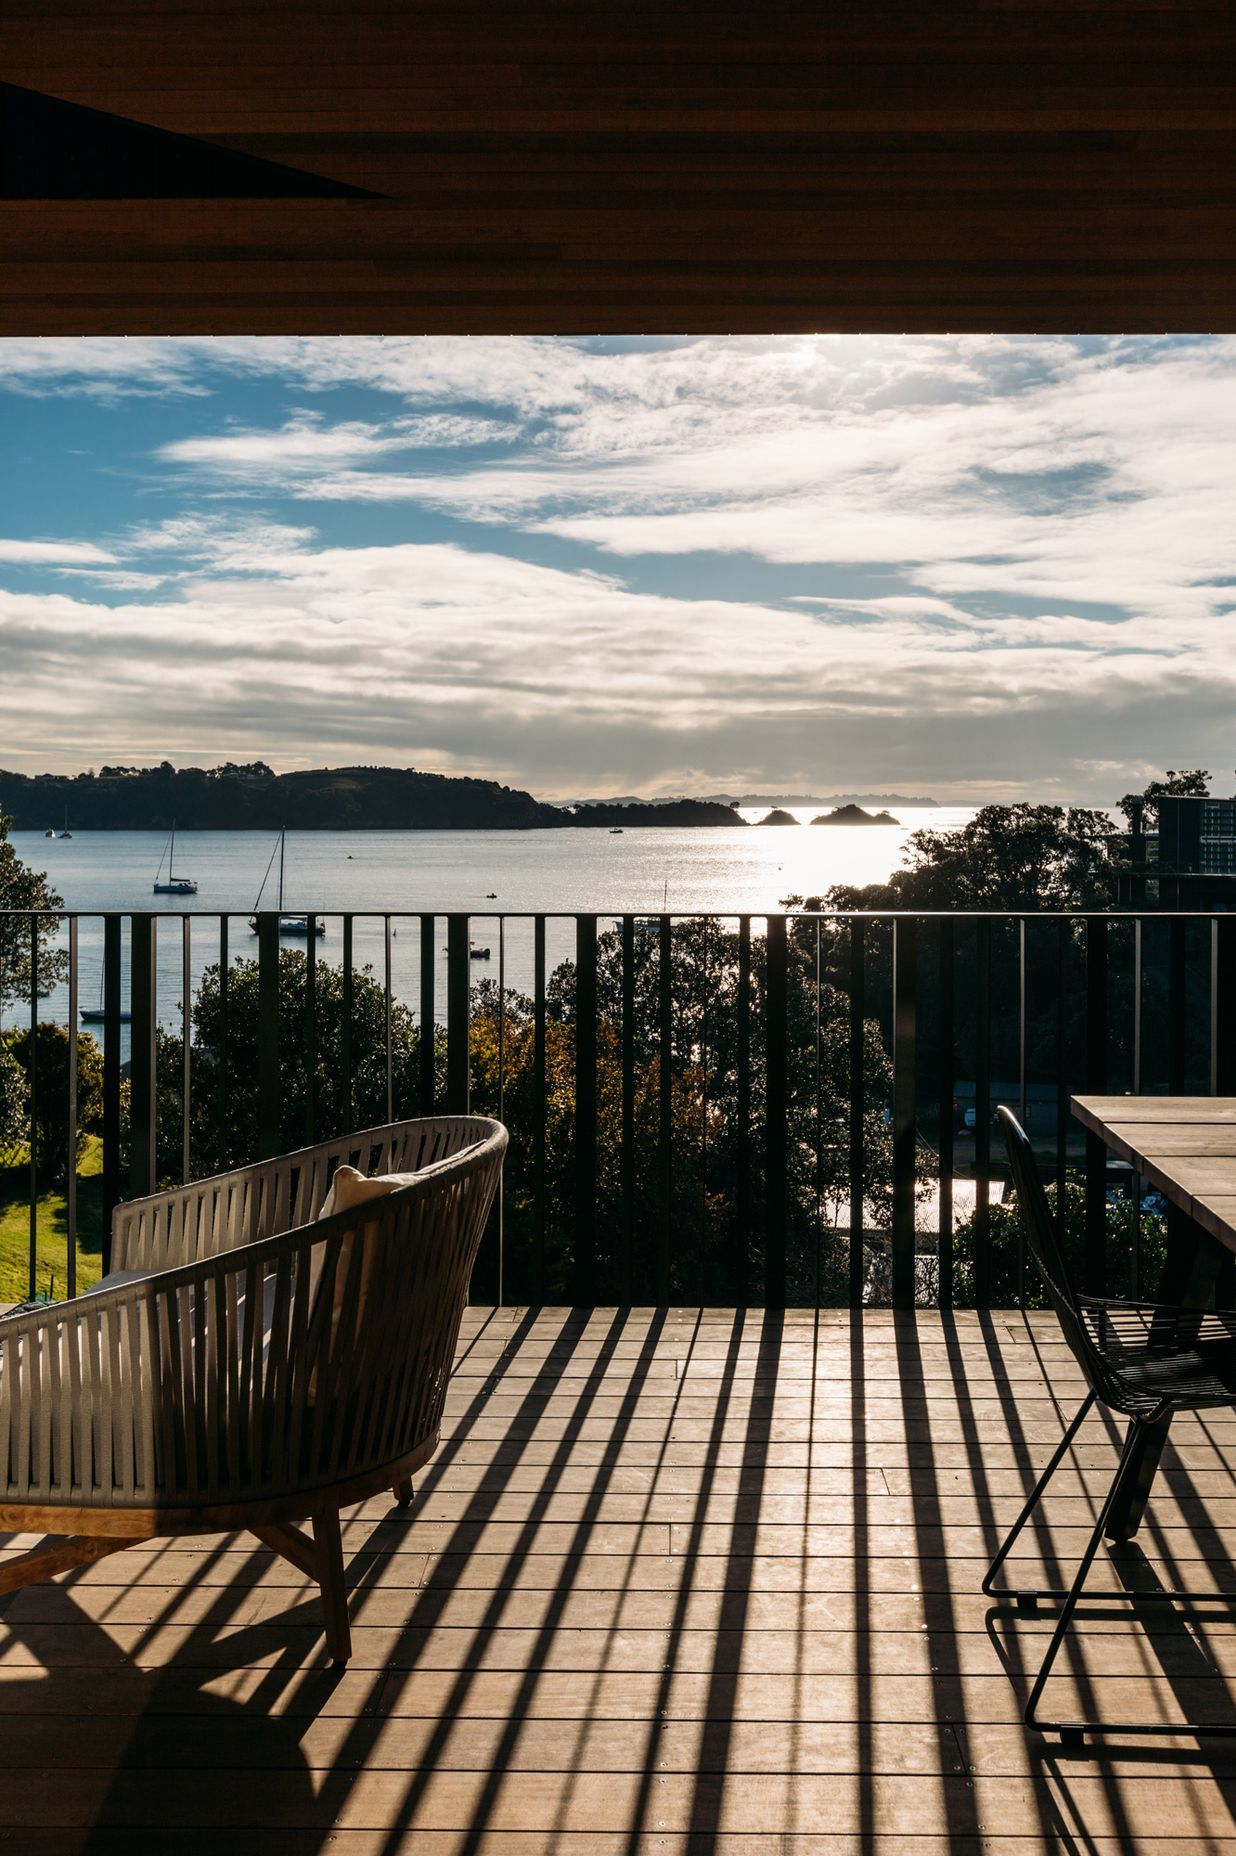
column 32, row 1261
column 111, row 1079
column 70, row 1182
column 944, row 1091
column 776, row 1102
column 269, row 1089
column 705, row 1245
column 585, row 1109
column 742, row 1182
column 628, row 1110
column 224, row 1156
column 1177, row 1005
column 819, row 1128
column 1135, row 1264
column 349, row 986
column 982, row 1112
column 1063, row 931
column 142, row 1099
column 186, row 1039
column 1138, row 969
column 665, row 1168
column 1223, row 1006
column 458, row 1011
column 1095, row 1269
column 1222, row 1065
column 858, row 1073
column 390, row 1050
column 539, row 1101
column 1021, row 1021
column 1022, row 1115
column 905, row 1108
column 428, row 1053
column 501, row 1102
column 311, row 1031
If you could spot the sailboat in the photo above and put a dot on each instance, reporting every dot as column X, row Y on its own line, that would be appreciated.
column 96, row 1015
column 174, row 885
column 294, row 925
column 66, row 833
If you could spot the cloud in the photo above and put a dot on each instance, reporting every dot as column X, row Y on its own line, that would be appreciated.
column 924, row 547
column 223, row 541
column 438, row 655
column 50, row 553
column 307, row 445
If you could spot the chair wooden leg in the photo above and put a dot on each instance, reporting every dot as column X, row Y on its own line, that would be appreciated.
column 328, row 1548
column 404, row 1492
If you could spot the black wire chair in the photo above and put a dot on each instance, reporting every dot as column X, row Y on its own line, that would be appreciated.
column 1145, row 1360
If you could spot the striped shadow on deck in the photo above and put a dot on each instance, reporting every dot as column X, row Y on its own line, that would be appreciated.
column 676, row 1580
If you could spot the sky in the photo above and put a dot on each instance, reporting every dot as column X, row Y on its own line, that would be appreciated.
column 975, row 568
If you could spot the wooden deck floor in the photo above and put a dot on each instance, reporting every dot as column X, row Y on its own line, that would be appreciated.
column 677, row 1580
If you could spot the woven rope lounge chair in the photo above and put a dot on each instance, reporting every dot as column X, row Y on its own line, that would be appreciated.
column 249, row 1364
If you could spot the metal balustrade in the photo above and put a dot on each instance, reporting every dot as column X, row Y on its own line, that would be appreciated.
column 696, row 1103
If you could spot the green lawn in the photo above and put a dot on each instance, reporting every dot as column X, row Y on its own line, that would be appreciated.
column 51, row 1271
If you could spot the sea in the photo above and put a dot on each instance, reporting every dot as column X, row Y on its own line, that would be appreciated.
column 499, row 878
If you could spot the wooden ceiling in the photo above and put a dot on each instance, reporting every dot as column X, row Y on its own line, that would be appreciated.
column 642, row 168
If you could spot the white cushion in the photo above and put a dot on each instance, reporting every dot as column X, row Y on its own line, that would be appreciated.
column 350, row 1187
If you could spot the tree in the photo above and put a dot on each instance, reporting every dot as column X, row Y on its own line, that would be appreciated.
column 14, row 1104
column 52, row 1095
column 1190, row 783
column 27, row 890
column 1016, row 857
column 686, row 1219
column 226, row 1112
column 1003, row 1248
column 28, row 951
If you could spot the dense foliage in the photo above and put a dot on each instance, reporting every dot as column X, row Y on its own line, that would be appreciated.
column 28, row 952
column 48, row 1052
column 679, row 1229
column 225, row 1069
column 14, row 1104
column 1005, row 857
column 24, row 889
column 1190, row 783
column 254, row 797
column 1126, row 1234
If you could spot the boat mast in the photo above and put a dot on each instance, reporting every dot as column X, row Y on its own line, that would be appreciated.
column 282, row 838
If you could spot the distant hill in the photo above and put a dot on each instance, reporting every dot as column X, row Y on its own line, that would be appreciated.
column 855, row 815
column 642, row 813
column 254, row 798
column 757, row 799
column 817, row 799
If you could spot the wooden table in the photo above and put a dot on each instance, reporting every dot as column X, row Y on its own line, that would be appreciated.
column 1186, row 1147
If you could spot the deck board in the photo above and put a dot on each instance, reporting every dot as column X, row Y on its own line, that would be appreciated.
column 676, row 1581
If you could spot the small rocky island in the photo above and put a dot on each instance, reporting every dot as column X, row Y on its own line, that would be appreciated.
column 777, row 817
column 854, row 815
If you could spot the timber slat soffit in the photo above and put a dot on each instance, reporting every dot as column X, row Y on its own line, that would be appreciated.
column 555, row 168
